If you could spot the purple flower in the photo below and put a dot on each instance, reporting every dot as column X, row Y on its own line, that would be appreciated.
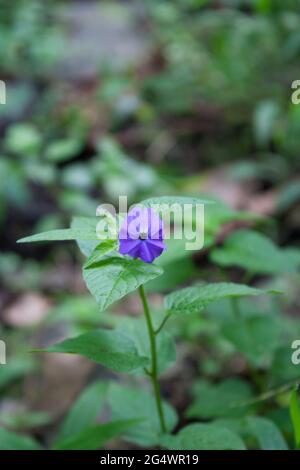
column 141, row 234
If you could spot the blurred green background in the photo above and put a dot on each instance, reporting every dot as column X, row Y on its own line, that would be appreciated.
column 144, row 99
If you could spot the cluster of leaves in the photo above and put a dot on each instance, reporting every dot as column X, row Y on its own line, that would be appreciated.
column 30, row 38
column 214, row 61
column 205, row 50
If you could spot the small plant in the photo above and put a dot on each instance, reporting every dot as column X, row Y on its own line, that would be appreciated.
column 115, row 267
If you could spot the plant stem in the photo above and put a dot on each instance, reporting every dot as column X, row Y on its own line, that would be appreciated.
column 154, row 372
column 166, row 318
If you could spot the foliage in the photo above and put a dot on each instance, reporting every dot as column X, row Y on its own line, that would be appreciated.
column 207, row 118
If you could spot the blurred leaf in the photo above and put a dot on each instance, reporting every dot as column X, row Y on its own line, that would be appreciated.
column 112, row 278
column 282, row 369
column 177, row 264
column 77, row 176
column 83, row 412
column 217, row 400
column 175, row 273
column 253, row 252
column 263, row 6
column 23, row 139
column 14, row 370
column 175, row 251
column 271, row 168
column 62, row 234
column 94, row 437
column 63, row 150
column 289, row 196
column 195, row 299
column 256, row 337
column 120, row 174
column 265, row 431
column 75, row 309
column 12, row 441
column 113, row 87
column 281, row 418
column 107, row 347
column 264, row 119
column 14, row 187
column 133, row 403
column 76, row 201
column 203, row 437
column 219, row 214
column 105, row 247
column 136, row 329
column 85, row 223
column 20, row 95
column 295, row 416
column 24, row 419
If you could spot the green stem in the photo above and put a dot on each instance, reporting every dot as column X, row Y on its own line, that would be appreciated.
column 166, row 318
column 154, row 372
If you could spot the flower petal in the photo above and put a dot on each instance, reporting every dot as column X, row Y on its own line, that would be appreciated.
column 129, row 247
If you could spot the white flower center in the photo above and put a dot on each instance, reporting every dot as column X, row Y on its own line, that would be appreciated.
column 143, row 235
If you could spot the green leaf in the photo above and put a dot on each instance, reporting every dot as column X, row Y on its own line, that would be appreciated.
column 80, row 310
column 265, row 432
column 264, row 6
column 105, row 247
column 253, row 252
column 137, row 330
column 83, row 412
column 23, row 139
column 281, row 418
column 218, row 214
column 112, row 278
column 23, row 419
column 94, row 437
column 270, row 168
column 203, row 437
column 295, row 416
column 62, row 150
column 62, row 234
column 195, row 299
column 282, row 369
column 175, row 252
column 256, row 337
column 288, row 196
column 107, row 347
column 177, row 264
column 86, row 223
column 175, row 273
column 12, row 441
column 15, row 369
column 265, row 115
column 135, row 403
column 217, row 400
